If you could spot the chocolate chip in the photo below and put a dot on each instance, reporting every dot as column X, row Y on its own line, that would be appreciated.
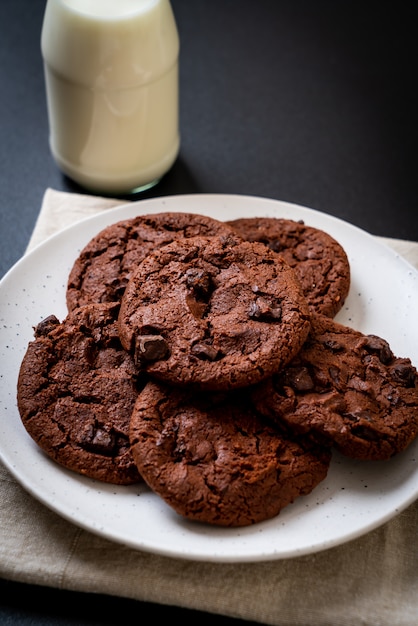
column 334, row 373
column 298, row 378
column 357, row 414
column 333, row 345
column 358, row 384
column 197, row 308
column 380, row 347
column 265, row 311
column 200, row 285
column 99, row 441
column 205, row 352
column 404, row 372
column 200, row 282
column 150, row 348
column 151, row 329
column 365, row 432
column 275, row 245
column 45, row 326
column 103, row 441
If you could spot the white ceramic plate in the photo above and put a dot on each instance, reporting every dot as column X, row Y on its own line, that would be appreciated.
column 355, row 498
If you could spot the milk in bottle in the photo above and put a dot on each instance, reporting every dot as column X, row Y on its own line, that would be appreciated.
column 111, row 73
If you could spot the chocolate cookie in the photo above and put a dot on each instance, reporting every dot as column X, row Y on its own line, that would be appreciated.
column 214, row 460
column 318, row 259
column 102, row 269
column 345, row 389
column 76, row 390
column 217, row 312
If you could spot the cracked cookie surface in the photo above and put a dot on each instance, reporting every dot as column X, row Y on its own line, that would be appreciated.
column 102, row 269
column 318, row 259
column 345, row 389
column 217, row 313
column 213, row 459
column 76, row 390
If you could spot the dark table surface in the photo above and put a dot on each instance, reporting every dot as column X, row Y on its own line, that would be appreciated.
column 309, row 102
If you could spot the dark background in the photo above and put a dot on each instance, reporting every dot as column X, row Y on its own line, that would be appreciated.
column 309, row 102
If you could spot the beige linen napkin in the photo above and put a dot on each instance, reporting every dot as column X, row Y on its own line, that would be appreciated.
column 369, row 581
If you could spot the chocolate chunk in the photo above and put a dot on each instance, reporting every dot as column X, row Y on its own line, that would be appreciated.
column 265, row 311
column 404, row 372
column 100, row 442
column 333, row 345
column 45, row 326
column 298, row 378
column 200, row 282
column 205, row 351
column 334, row 373
column 365, row 432
column 150, row 348
column 380, row 347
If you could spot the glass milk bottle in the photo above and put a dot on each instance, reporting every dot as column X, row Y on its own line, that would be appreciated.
column 111, row 74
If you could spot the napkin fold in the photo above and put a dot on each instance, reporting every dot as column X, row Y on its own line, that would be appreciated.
column 370, row 581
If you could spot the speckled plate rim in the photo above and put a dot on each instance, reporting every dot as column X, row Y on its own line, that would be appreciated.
column 355, row 498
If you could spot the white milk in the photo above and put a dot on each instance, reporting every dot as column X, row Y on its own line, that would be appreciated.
column 111, row 72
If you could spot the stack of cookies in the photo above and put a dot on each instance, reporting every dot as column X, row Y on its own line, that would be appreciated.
column 202, row 358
